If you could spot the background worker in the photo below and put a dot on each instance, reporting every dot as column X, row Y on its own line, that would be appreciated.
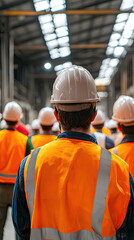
column 64, row 190
column 123, row 113
column 46, row 120
column 98, row 124
column 14, row 146
column 35, row 127
column 56, row 129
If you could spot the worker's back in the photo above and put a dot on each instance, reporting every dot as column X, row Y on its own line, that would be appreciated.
column 69, row 197
column 12, row 151
column 42, row 139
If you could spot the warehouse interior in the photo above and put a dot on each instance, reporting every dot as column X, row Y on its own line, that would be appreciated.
column 39, row 38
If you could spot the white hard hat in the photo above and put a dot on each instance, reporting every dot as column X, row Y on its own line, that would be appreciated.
column 12, row 112
column 74, row 85
column 46, row 116
column 111, row 124
column 3, row 124
column 123, row 110
column 55, row 127
column 35, row 124
column 99, row 119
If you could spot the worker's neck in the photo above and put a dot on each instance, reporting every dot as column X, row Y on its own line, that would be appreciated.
column 77, row 130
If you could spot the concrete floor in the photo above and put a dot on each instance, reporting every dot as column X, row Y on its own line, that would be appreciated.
column 9, row 233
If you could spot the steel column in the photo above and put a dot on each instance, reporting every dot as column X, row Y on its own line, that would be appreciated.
column 11, row 67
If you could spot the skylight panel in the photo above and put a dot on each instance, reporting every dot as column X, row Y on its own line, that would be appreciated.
column 62, row 41
column 49, row 37
column 62, row 31
column 123, row 41
column 52, row 44
column 109, row 50
column 67, row 64
column 118, row 51
column 60, row 20
column 45, row 19
column 115, row 36
column 113, row 43
column 122, row 17
column 42, row 5
column 58, row 67
column 58, row 8
column 114, row 62
column 119, row 26
column 126, row 4
column 65, row 51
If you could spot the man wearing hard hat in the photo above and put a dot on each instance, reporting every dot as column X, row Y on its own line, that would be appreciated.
column 46, row 121
column 102, row 139
column 123, row 114
column 14, row 146
column 73, row 189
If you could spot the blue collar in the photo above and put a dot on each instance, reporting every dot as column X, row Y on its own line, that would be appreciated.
column 78, row 135
column 128, row 138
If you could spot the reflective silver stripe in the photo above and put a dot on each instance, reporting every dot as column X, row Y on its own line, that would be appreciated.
column 114, row 150
column 30, row 187
column 8, row 175
column 101, row 190
column 54, row 234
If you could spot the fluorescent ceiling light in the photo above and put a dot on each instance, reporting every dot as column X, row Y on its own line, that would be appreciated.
column 122, row 17
column 113, row 43
column 109, row 50
column 47, row 65
column 60, row 20
column 118, row 51
column 123, row 41
column 119, row 26
column 115, row 36
column 52, row 44
column 61, row 31
column 45, row 19
column 49, row 37
column 64, row 51
column 109, row 72
column 114, row 62
column 63, row 40
column 42, row 5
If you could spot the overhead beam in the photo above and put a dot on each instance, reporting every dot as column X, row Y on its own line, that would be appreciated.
column 68, row 12
column 72, row 46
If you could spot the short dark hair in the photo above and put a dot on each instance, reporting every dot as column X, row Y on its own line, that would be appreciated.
column 98, row 126
column 81, row 119
column 126, row 129
column 46, row 128
column 11, row 123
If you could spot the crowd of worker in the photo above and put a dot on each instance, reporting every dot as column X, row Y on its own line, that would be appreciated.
column 70, row 186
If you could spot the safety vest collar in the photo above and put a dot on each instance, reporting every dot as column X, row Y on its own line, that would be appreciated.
column 77, row 135
column 128, row 138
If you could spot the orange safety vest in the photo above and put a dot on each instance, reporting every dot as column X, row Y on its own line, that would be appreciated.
column 40, row 140
column 12, row 152
column 75, row 191
column 126, row 152
column 105, row 130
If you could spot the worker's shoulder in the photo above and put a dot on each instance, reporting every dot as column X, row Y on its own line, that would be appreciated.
column 118, row 161
column 21, row 135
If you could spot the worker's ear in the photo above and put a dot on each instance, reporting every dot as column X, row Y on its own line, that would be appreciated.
column 56, row 115
column 118, row 127
column 94, row 115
